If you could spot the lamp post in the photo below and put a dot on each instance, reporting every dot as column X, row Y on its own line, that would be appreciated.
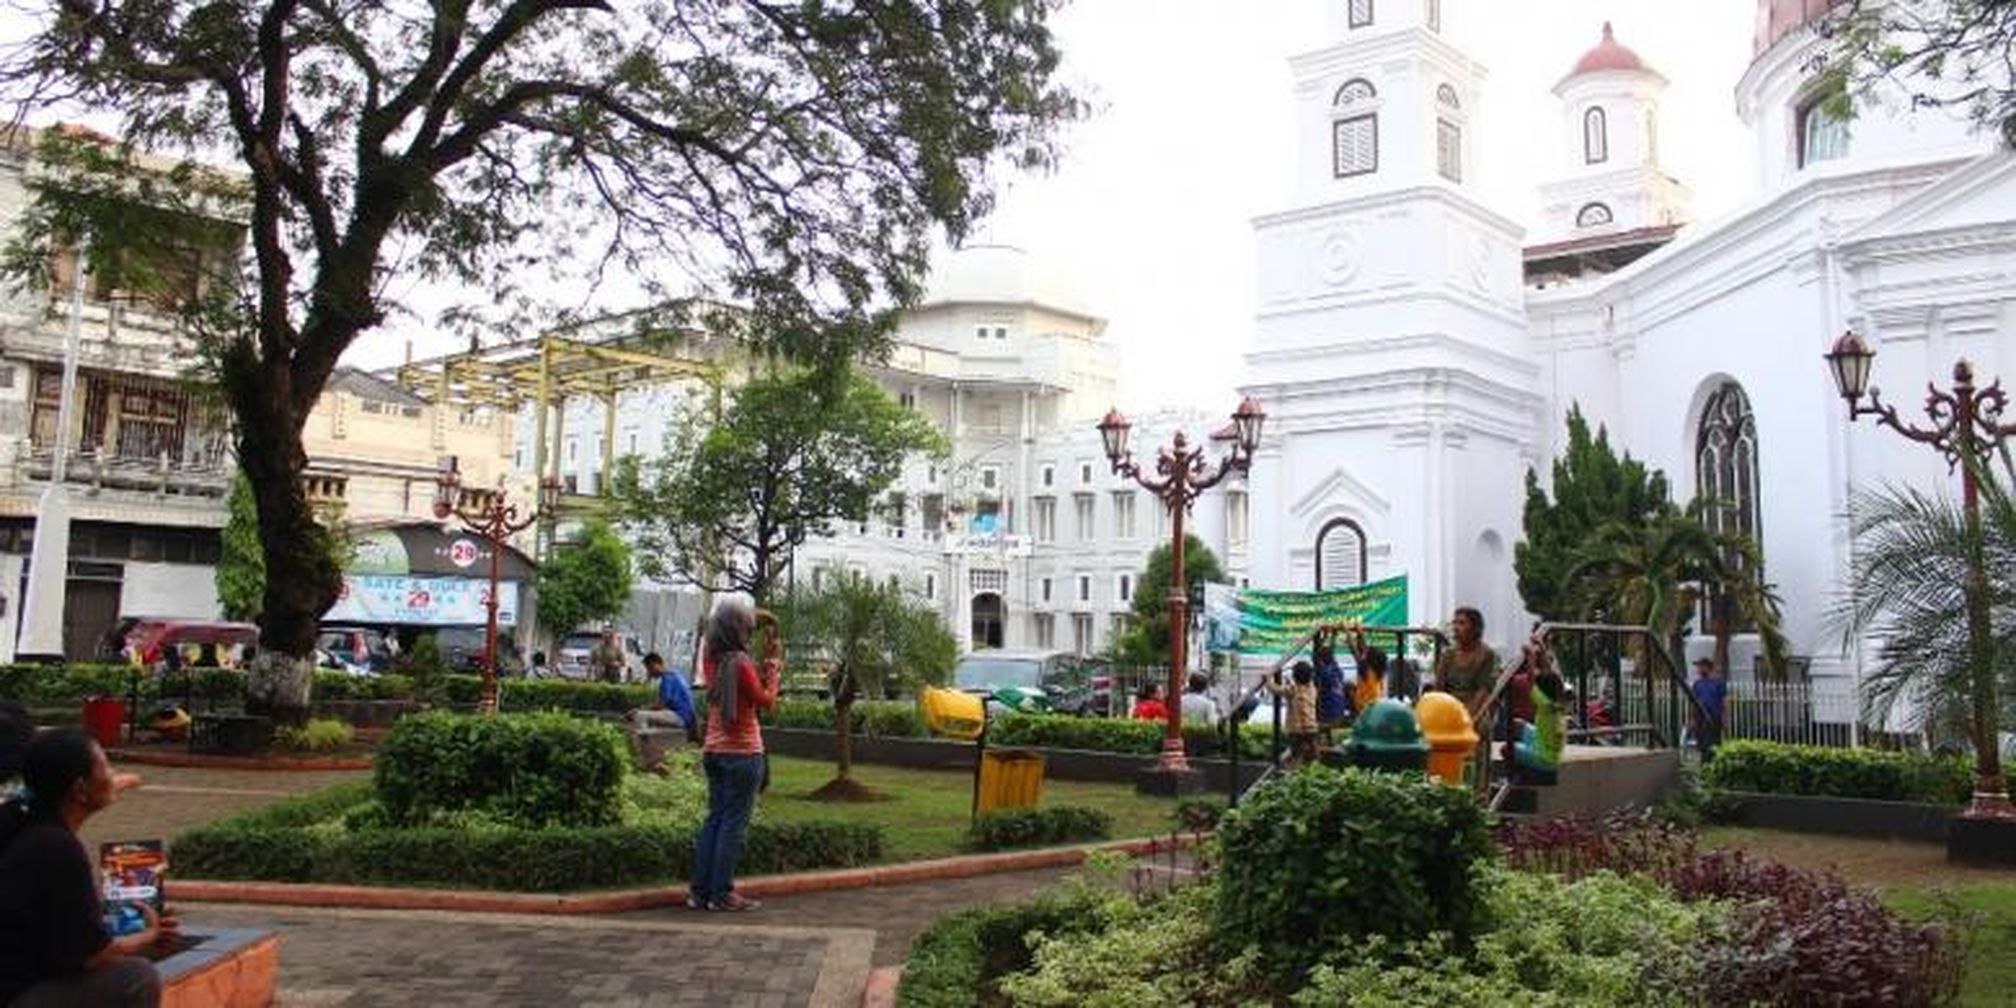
column 496, row 521
column 1181, row 474
column 1966, row 423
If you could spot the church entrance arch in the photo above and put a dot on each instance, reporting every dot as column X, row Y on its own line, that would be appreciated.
column 990, row 614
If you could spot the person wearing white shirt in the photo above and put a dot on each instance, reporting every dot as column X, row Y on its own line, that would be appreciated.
column 1197, row 704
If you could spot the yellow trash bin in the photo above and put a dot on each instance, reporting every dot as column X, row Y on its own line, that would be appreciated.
column 953, row 713
column 1009, row 778
column 1451, row 738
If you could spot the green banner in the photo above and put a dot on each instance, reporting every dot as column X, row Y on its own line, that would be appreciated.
column 1263, row 623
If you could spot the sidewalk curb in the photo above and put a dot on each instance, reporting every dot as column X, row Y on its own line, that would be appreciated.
column 881, row 989
column 205, row 761
column 389, row 898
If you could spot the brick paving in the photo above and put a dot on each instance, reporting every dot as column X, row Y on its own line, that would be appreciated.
column 361, row 958
column 173, row 799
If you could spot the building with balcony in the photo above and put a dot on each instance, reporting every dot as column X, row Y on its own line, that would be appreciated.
column 146, row 452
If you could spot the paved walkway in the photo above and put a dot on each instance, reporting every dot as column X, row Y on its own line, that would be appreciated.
column 173, row 799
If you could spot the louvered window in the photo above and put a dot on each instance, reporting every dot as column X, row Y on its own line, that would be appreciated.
column 1340, row 555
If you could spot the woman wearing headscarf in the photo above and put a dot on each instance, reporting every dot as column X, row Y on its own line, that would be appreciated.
column 732, row 752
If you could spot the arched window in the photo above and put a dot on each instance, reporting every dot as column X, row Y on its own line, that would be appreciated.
column 1355, row 130
column 1449, row 134
column 1725, row 461
column 1340, row 555
column 1361, row 14
column 1823, row 130
column 1593, row 215
column 1595, row 136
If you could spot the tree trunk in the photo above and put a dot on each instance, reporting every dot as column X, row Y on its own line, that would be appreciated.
column 843, row 712
column 302, row 581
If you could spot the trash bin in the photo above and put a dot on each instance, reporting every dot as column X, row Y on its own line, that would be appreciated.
column 1009, row 778
column 1451, row 737
column 105, row 719
column 1387, row 737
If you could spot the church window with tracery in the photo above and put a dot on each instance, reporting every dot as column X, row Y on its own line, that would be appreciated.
column 1725, row 461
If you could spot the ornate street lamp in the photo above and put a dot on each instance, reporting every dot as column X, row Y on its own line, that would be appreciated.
column 1966, row 425
column 495, row 521
column 1181, row 474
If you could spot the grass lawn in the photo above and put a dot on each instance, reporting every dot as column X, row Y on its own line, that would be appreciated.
column 928, row 810
column 1915, row 879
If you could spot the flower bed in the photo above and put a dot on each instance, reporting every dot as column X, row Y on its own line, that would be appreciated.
column 1618, row 913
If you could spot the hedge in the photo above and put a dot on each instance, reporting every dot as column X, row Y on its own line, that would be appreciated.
column 959, row 961
column 531, row 770
column 1822, row 771
column 1117, row 735
column 62, row 685
column 555, row 694
column 1036, row 827
column 871, row 718
column 550, row 859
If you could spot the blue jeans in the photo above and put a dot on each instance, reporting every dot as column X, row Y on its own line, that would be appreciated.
column 731, row 796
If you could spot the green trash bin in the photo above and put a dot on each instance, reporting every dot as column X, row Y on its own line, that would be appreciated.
column 1388, row 737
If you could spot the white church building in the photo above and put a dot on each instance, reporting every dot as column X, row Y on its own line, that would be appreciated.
column 1417, row 350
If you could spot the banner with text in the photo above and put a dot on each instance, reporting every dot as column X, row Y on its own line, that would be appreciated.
column 421, row 601
column 1260, row 623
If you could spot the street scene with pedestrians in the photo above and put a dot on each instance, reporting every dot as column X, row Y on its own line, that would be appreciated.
column 1007, row 503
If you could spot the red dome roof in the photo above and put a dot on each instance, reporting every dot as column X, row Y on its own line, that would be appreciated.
column 1608, row 55
column 1779, row 18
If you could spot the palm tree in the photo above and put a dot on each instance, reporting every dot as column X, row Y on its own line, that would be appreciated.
column 1655, row 573
column 1916, row 555
column 874, row 640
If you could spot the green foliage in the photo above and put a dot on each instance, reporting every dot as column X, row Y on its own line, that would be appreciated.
column 1137, row 955
column 1039, row 827
column 318, row 735
column 874, row 638
column 1942, row 55
column 343, row 686
column 524, row 769
column 425, row 666
column 1601, row 942
column 581, row 696
column 959, row 960
column 1321, row 856
column 1592, row 487
column 1146, row 638
column 585, row 581
column 64, row 685
column 549, row 859
column 1914, row 558
column 1116, row 735
column 795, row 451
column 875, row 718
column 241, row 560
column 1822, row 771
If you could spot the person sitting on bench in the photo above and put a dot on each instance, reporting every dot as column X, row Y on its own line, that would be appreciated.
column 674, row 708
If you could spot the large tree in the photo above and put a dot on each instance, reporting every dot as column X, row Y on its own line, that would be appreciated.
column 1146, row 639
column 872, row 638
column 1948, row 54
column 792, row 158
column 1593, row 486
column 584, row 580
column 793, row 452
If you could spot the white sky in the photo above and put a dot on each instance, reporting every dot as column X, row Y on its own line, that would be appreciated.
column 1194, row 136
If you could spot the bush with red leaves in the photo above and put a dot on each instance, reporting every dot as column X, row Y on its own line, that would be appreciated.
column 1797, row 938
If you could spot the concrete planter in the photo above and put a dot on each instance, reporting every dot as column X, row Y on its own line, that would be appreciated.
column 933, row 754
column 1855, row 817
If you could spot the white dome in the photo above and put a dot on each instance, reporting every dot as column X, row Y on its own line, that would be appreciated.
column 1001, row 274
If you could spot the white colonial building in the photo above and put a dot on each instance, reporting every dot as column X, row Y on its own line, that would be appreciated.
column 1021, row 536
column 1417, row 350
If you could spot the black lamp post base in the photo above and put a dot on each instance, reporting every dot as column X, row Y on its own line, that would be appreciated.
column 1163, row 783
column 1987, row 843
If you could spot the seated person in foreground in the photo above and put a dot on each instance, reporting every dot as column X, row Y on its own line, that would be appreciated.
column 54, row 947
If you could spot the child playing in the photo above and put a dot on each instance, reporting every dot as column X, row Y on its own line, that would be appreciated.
column 1537, row 753
column 1300, row 721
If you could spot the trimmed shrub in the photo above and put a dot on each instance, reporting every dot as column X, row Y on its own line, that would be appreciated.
column 53, row 685
column 1036, row 827
column 318, row 735
column 355, row 851
column 1823, row 771
column 341, row 686
column 1065, row 731
column 871, row 718
column 524, row 769
column 959, row 961
column 515, row 694
column 1324, row 856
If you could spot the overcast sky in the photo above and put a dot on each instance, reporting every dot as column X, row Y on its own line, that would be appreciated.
column 1192, row 136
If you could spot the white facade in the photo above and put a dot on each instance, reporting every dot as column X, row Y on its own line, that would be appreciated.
column 1411, row 392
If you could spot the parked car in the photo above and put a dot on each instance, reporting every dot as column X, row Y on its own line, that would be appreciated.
column 571, row 655
column 462, row 648
column 1027, row 681
column 355, row 649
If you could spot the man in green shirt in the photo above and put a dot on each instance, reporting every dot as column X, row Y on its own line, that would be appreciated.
column 1467, row 669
